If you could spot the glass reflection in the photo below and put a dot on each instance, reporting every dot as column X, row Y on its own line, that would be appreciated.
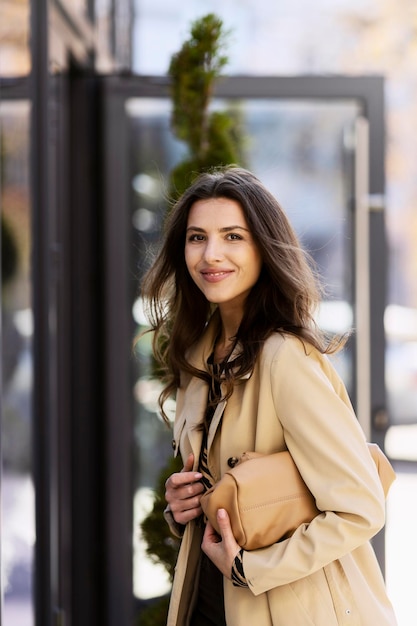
column 14, row 38
column 17, row 506
column 303, row 151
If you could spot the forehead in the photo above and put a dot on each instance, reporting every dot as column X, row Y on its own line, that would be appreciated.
column 216, row 212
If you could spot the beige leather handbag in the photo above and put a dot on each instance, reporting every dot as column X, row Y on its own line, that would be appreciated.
column 267, row 499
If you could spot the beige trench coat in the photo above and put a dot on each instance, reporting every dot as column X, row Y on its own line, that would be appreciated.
column 326, row 574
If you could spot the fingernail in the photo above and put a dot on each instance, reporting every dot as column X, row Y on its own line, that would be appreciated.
column 221, row 513
column 197, row 475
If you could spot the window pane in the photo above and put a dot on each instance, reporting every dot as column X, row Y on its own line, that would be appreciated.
column 113, row 26
column 14, row 38
column 303, row 152
column 17, row 506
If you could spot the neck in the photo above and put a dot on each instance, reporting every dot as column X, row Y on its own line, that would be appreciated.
column 222, row 350
column 226, row 339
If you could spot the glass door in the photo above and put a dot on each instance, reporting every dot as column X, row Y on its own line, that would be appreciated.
column 309, row 144
column 302, row 151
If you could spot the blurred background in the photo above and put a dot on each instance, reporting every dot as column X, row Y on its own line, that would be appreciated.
column 326, row 95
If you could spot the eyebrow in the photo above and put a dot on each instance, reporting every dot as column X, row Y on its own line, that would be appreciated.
column 225, row 229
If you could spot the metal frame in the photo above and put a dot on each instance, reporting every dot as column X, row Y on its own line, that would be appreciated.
column 362, row 275
column 87, row 461
column 369, row 91
column 44, row 596
column 15, row 88
column 118, row 336
column 70, row 552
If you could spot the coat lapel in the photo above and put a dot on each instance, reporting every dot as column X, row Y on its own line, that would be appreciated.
column 197, row 392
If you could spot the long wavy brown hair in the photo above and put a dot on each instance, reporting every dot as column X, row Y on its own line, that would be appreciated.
column 284, row 298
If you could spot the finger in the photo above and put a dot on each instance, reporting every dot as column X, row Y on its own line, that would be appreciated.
column 189, row 464
column 185, row 479
column 223, row 522
column 185, row 509
column 185, row 476
column 183, row 492
column 179, row 504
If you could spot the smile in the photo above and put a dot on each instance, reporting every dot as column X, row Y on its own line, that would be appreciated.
column 215, row 276
column 215, row 273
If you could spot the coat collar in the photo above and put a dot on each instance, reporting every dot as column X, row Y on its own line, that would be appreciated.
column 201, row 351
column 197, row 390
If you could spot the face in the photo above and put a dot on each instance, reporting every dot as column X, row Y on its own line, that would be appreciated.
column 220, row 253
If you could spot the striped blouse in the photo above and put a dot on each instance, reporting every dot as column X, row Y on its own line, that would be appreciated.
column 238, row 576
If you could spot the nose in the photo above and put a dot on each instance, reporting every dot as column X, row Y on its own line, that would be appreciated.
column 213, row 251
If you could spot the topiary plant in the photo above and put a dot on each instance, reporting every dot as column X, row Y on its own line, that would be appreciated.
column 212, row 137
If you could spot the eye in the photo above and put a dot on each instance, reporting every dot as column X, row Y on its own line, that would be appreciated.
column 195, row 237
column 234, row 237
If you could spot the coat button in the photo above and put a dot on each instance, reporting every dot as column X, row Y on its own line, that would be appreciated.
column 232, row 461
column 174, row 444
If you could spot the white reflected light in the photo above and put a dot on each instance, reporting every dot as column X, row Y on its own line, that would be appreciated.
column 146, row 185
column 335, row 316
column 139, row 313
column 146, row 391
column 149, row 579
column 400, row 322
column 401, row 442
column 23, row 320
column 144, row 220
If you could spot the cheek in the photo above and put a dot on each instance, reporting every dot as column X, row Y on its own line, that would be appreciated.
column 189, row 259
column 256, row 265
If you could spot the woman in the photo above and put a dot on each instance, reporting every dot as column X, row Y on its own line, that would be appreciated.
column 231, row 300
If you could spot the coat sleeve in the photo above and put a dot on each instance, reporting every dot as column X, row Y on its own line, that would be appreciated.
column 176, row 529
column 328, row 446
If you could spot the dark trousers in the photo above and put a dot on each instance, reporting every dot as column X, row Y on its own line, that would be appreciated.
column 209, row 609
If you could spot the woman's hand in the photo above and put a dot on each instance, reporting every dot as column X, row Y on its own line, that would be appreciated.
column 221, row 549
column 183, row 492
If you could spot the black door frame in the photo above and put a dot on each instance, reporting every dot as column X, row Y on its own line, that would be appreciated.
column 369, row 91
column 67, row 279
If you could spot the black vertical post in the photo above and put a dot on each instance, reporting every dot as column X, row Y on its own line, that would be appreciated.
column 41, row 312
column 86, row 278
column 118, row 337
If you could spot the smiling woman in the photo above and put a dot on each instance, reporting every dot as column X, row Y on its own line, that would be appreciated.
column 235, row 336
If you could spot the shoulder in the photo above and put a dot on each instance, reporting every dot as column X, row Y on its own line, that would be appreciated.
column 280, row 345
column 297, row 372
column 286, row 354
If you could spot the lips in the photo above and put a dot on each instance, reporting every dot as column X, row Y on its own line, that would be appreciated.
column 215, row 276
